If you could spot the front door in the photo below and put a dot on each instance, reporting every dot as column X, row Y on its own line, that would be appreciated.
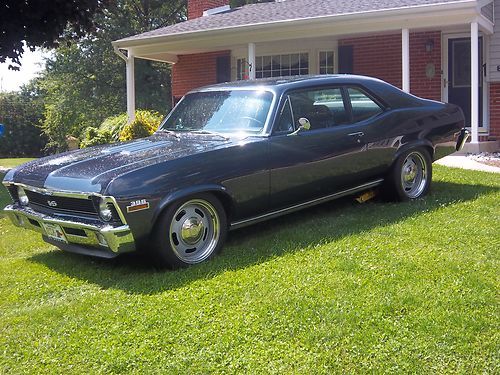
column 459, row 78
column 332, row 154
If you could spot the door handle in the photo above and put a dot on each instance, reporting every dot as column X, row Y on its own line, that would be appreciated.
column 357, row 134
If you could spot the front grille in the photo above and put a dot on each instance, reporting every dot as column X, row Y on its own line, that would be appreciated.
column 13, row 193
column 61, row 204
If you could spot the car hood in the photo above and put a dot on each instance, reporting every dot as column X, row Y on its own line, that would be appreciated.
column 91, row 169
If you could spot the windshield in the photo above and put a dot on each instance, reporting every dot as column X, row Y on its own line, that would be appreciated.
column 221, row 111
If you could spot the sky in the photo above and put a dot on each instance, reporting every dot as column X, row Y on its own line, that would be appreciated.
column 32, row 63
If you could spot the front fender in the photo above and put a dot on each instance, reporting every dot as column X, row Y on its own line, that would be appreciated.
column 218, row 190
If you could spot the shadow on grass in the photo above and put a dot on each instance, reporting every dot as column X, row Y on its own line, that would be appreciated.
column 135, row 274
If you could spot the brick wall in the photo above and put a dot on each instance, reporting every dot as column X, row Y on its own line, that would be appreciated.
column 197, row 7
column 494, row 111
column 380, row 56
column 192, row 71
column 377, row 56
column 420, row 85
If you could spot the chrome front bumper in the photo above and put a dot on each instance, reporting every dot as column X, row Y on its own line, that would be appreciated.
column 85, row 237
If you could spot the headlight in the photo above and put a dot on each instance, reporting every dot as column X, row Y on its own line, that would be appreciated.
column 104, row 210
column 23, row 198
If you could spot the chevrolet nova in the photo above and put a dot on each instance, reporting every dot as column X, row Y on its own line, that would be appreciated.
column 234, row 154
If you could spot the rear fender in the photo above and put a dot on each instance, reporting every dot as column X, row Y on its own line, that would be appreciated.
column 418, row 143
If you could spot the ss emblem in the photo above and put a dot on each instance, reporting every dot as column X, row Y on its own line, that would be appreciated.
column 52, row 203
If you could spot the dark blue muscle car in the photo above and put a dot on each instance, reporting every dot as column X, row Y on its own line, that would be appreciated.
column 234, row 154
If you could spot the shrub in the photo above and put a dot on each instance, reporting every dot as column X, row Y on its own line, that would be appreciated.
column 94, row 137
column 145, row 124
column 114, row 125
column 115, row 128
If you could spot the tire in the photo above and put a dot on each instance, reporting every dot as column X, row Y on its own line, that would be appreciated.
column 190, row 231
column 410, row 177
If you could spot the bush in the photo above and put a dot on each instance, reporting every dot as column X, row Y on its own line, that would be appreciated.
column 115, row 128
column 145, row 124
column 114, row 125
column 94, row 137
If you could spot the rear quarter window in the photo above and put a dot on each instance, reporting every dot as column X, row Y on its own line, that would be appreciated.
column 363, row 107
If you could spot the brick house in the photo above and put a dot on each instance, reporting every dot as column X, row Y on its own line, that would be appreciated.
column 447, row 50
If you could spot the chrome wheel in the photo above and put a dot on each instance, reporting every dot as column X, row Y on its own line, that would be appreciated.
column 414, row 175
column 194, row 231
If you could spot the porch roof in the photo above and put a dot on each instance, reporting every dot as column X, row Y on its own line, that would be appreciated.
column 299, row 20
column 284, row 12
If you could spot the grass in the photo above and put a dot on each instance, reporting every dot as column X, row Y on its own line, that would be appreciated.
column 13, row 162
column 343, row 287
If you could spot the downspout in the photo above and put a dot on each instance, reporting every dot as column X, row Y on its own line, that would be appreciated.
column 129, row 61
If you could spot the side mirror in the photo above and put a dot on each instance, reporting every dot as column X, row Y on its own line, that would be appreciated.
column 304, row 124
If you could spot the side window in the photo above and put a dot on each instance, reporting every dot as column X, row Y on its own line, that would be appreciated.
column 323, row 107
column 285, row 120
column 362, row 106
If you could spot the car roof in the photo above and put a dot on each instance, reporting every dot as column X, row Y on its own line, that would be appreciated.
column 282, row 83
column 387, row 94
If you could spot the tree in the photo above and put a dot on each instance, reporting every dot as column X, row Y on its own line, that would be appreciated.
column 21, row 113
column 42, row 23
column 85, row 81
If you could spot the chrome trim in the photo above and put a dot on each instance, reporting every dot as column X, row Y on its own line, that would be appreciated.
column 70, row 194
column 119, row 239
column 283, row 211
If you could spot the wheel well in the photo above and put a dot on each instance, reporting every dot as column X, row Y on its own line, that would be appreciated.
column 226, row 202
column 223, row 198
column 430, row 150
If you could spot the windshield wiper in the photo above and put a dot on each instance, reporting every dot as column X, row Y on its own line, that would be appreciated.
column 170, row 132
column 203, row 131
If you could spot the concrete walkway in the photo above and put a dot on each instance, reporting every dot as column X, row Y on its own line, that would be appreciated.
column 462, row 161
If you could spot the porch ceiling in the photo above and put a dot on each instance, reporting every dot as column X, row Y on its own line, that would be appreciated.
column 166, row 43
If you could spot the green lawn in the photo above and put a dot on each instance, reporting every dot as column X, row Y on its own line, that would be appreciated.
column 343, row 287
column 13, row 162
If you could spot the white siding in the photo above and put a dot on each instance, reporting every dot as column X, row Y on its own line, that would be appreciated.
column 495, row 47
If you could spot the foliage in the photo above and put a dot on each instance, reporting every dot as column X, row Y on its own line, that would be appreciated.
column 85, row 81
column 114, row 125
column 115, row 128
column 339, row 288
column 21, row 113
column 42, row 24
column 94, row 137
column 145, row 124
column 238, row 3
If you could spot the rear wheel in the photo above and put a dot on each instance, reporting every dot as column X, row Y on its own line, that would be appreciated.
column 190, row 231
column 411, row 175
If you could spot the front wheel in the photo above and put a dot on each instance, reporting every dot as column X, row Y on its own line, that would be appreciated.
column 411, row 175
column 190, row 231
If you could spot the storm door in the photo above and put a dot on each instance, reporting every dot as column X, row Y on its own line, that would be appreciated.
column 459, row 78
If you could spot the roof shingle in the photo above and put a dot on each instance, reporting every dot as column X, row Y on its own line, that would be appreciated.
column 283, row 11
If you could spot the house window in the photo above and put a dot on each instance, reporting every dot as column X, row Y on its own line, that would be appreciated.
column 295, row 64
column 326, row 62
column 241, row 69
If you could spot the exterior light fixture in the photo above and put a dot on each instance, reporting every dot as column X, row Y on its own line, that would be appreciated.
column 429, row 45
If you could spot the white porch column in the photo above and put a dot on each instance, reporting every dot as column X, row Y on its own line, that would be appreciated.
column 251, row 60
column 130, row 88
column 474, row 81
column 405, row 48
